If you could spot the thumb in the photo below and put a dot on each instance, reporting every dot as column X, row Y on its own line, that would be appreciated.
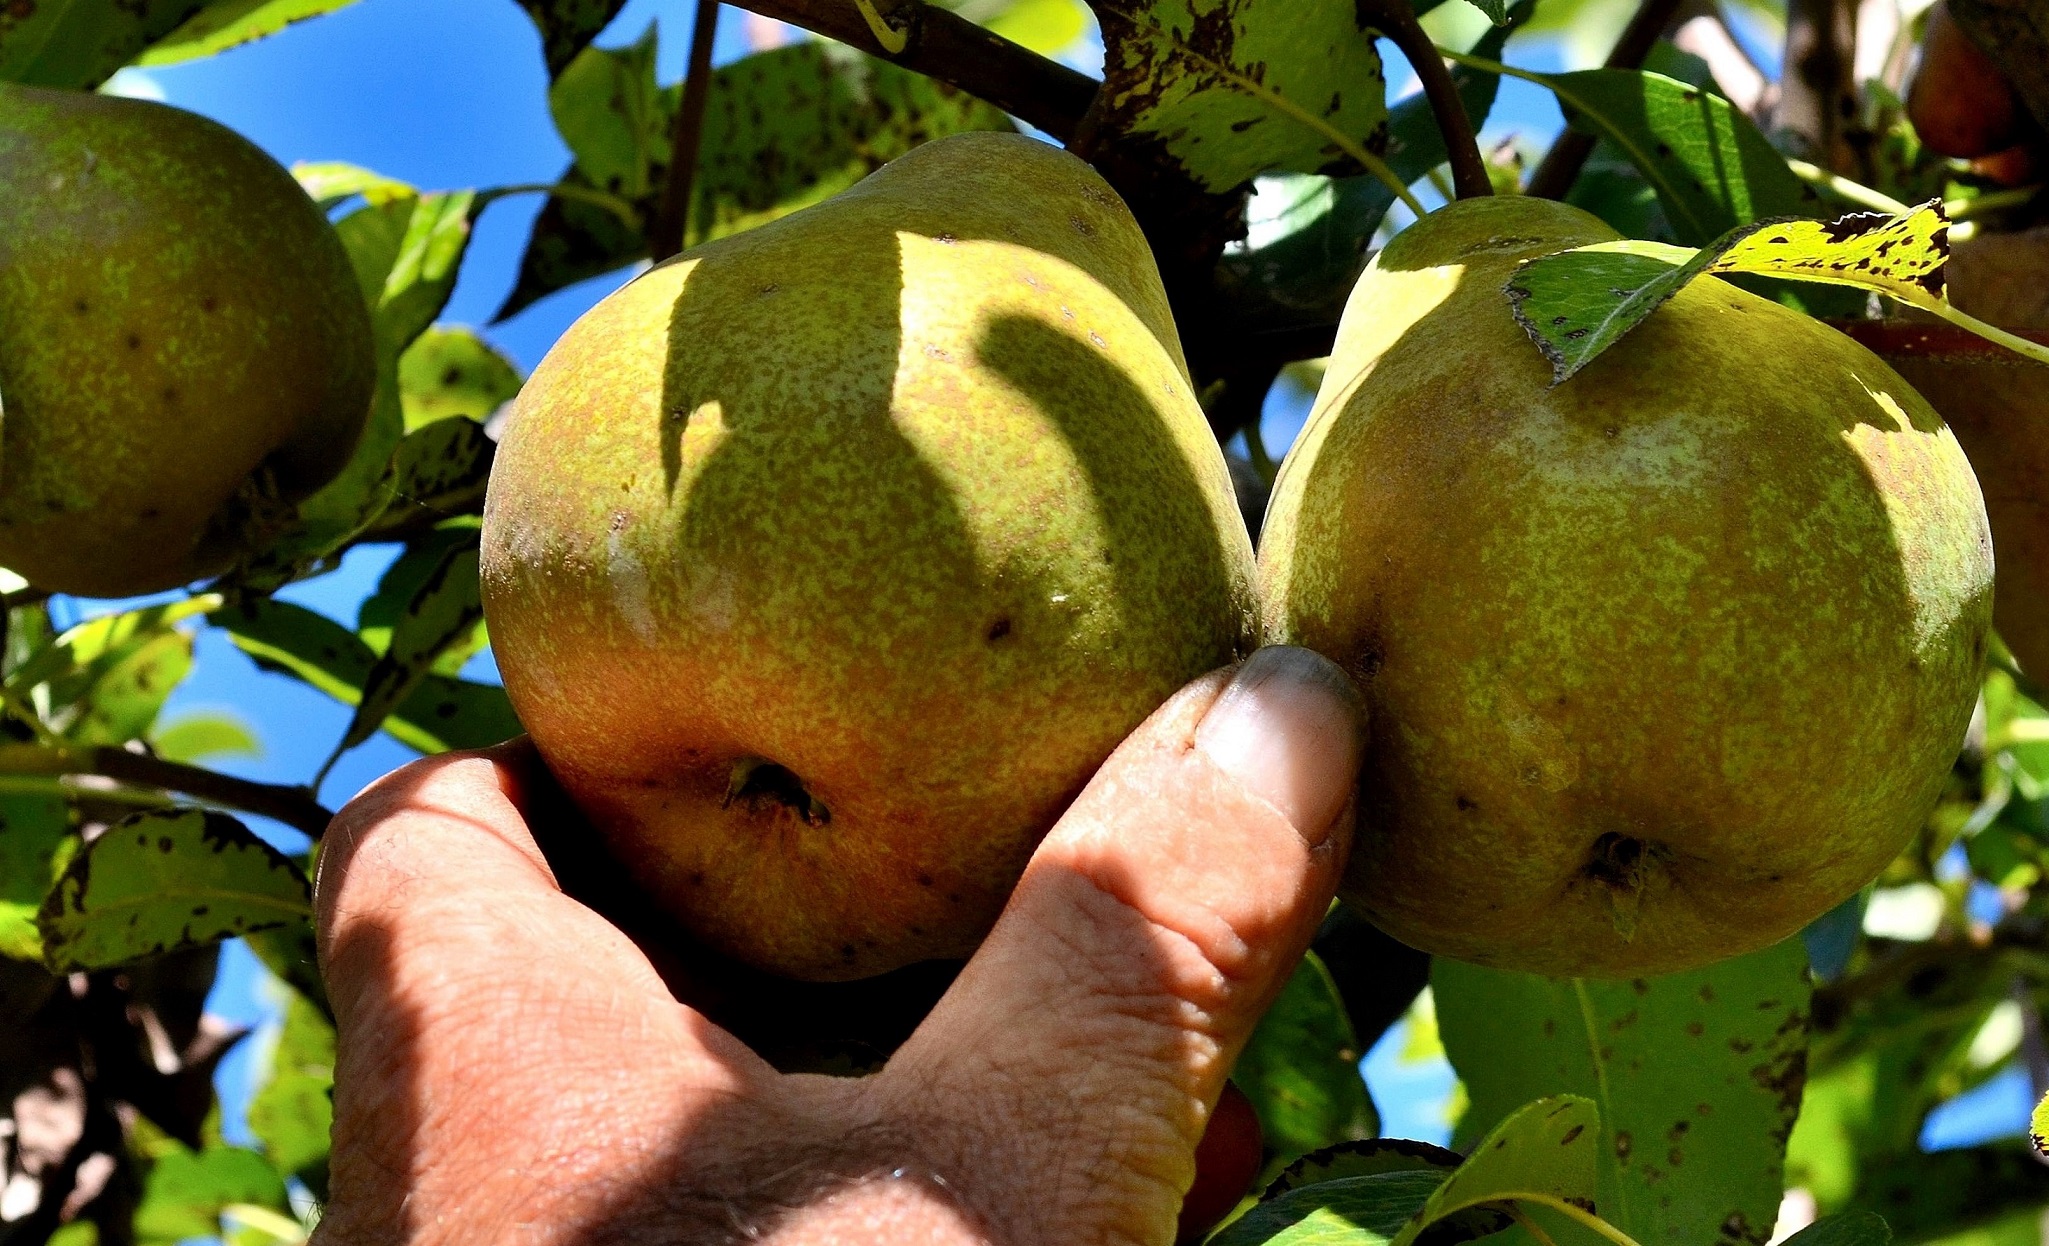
column 1064, row 1081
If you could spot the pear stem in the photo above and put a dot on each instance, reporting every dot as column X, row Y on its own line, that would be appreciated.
column 1397, row 20
column 1560, row 167
column 665, row 233
column 293, row 806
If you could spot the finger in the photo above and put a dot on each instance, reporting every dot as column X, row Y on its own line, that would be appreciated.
column 485, row 1018
column 1096, row 1025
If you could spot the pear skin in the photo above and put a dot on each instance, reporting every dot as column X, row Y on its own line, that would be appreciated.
column 184, row 349
column 826, row 562
column 1998, row 403
column 1664, row 661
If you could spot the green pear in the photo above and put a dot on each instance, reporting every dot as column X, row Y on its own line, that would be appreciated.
column 1998, row 403
column 826, row 562
column 184, row 350
column 1664, row 661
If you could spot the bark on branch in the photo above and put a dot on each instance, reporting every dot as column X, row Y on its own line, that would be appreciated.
column 945, row 46
column 293, row 806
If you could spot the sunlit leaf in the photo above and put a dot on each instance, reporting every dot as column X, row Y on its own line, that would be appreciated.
column 161, row 880
column 205, row 735
column 1577, row 303
column 1850, row 1228
column 224, row 24
column 124, row 700
column 448, row 373
column 1697, row 1077
column 1544, row 1152
column 1351, row 1211
column 186, row 1191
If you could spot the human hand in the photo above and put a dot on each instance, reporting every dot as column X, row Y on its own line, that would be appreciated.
column 512, row 1067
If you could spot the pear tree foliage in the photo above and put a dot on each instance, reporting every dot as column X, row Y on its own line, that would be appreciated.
column 1259, row 145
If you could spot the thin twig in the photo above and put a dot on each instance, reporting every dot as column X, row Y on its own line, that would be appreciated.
column 293, row 806
column 948, row 47
column 1397, row 20
column 1568, row 155
column 665, row 234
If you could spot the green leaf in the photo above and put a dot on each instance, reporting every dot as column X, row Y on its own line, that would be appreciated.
column 1850, row 1228
column 293, row 1110
column 76, row 660
column 452, row 373
column 35, row 833
column 443, row 612
column 80, row 43
column 442, row 714
column 1301, row 260
column 1710, row 166
column 1044, row 26
column 126, row 698
column 1496, row 10
column 205, row 735
column 568, row 26
column 331, row 183
column 783, row 129
column 1697, row 1076
column 438, row 472
column 162, row 880
column 1364, row 1158
column 402, row 581
column 289, row 953
column 1576, row 304
column 1351, row 1211
column 1544, row 1152
column 224, row 24
column 1301, row 1068
column 1230, row 90
column 186, row 1191
column 2038, row 1126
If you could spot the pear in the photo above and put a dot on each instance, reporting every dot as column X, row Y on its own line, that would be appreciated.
column 1664, row 661
column 184, row 349
column 1998, row 403
column 827, row 561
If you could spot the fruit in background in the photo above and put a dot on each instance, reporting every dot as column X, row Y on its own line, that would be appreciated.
column 1670, row 658
column 1998, row 403
column 184, row 349
column 827, row 562
column 1226, row 1160
column 1959, row 102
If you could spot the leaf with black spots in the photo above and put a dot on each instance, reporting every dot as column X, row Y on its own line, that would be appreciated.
column 226, row 24
column 782, row 129
column 162, row 880
column 1697, row 1075
column 453, row 374
column 441, row 714
column 444, row 611
column 1543, row 1153
column 125, row 700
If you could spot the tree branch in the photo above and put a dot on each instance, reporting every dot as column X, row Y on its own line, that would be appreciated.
column 1397, row 20
column 666, row 232
column 293, row 806
column 1561, row 165
column 942, row 45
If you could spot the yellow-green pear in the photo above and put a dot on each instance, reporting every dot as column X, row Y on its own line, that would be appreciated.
column 826, row 562
column 1998, row 402
column 1664, row 661
column 184, row 349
